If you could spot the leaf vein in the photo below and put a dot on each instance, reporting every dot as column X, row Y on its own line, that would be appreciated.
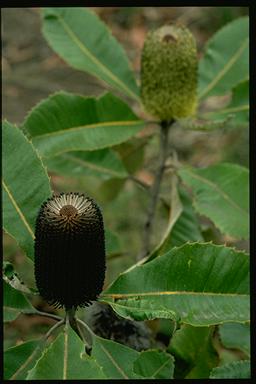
column 224, row 70
column 18, row 210
column 87, row 53
column 114, row 362
column 102, row 124
column 220, row 191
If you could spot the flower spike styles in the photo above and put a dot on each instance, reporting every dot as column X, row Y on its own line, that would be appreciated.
column 69, row 250
column 169, row 73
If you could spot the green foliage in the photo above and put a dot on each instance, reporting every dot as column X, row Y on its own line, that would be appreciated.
column 100, row 144
column 18, row 360
column 104, row 163
column 25, row 186
column 235, row 370
column 116, row 359
column 226, row 187
column 235, row 335
column 238, row 108
column 170, row 284
column 71, row 362
column 81, row 39
column 66, row 122
column 14, row 302
column 193, row 345
column 225, row 62
column 154, row 365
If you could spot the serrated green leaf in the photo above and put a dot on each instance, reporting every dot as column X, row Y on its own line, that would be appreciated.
column 66, row 122
column 235, row 370
column 116, row 359
column 193, row 345
column 226, row 59
column 25, row 187
column 234, row 335
column 14, row 302
column 19, row 359
column 198, row 284
column 84, row 42
column 154, row 364
column 65, row 359
column 238, row 107
column 140, row 309
column 221, row 192
column 104, row 163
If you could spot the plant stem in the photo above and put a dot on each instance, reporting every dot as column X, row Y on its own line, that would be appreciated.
column 155, row 189
column 70, row 318
column 88, row 343
column 39, row 313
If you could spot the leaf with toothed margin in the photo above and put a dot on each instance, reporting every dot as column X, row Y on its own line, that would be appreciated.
column 64, row 359
column 235, row 370
column 221, row 192
column 226, row 59
column 19, row 359
column 25, row 186
column 66, row 122
column 84, row 42
column 200, row 284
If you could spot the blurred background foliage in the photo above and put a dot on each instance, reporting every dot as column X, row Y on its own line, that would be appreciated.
column 32, row 71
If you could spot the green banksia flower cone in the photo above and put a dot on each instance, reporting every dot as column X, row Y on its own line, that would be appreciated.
column 69, row 250
column 169, row 73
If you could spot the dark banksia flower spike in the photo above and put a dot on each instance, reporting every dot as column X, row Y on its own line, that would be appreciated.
column 69, row 250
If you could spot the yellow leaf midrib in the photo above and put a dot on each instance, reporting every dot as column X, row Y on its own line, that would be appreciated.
column 224, row 70
column 216, row 188
column 161, row 293
column 18, row 210
column 95, row 125
column 93, row 166
column 86, row 51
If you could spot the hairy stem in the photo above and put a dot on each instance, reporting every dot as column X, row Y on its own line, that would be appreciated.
column 155, row 189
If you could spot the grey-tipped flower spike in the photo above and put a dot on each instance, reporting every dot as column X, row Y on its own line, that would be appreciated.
column 69, row 250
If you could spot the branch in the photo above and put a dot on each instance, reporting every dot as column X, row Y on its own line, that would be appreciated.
column 39, row 313
column 155, row 189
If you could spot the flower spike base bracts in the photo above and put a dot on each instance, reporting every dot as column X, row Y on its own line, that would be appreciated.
column 69, row 250
column 169, row 73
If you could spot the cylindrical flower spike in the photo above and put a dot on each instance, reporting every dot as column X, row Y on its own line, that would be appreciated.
column 69, row 250
column 169, row 73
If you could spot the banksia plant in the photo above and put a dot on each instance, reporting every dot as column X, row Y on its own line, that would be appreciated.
column 69, row 250
column 169, row 73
